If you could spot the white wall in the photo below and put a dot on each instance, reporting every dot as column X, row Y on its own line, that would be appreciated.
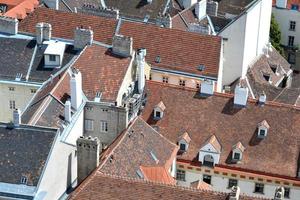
column 283, row 17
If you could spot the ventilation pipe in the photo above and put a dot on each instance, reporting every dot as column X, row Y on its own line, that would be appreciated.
column 141, row 53
column 76, row 89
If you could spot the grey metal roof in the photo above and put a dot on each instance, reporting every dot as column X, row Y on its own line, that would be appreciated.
column 23, row 152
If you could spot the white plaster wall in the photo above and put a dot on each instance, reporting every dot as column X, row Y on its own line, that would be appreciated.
column 265, row 22
column 76, row 130
column 220, row 183
column 283, row 17
column 55, row 63
column 22, row 96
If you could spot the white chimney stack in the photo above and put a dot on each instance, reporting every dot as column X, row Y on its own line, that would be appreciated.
column 141, row 53
column 262, row 98
column 17, row 117
column 235, row 193
column 188, row 3
column 43, row 32
column 281, row 3
column 200, row 9
column 207, row 87
column 68, row 115
column 241, row 95
column 76, row 89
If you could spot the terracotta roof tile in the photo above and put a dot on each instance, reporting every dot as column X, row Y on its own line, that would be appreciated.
column 178, row 50
column 202, row 117
column 201, row 185
column 214, row 142
column 158, row 174
column 102, row 71
column 114, row 188
column 161, row 105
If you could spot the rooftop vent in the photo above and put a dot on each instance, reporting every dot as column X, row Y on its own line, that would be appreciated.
column 18, row 77
column 263, row 128
column 24, row 180
column 157, row 59
column 207, row 88
column 154, row 157
column 140, row 174
column 54, row 53
column 262, row 98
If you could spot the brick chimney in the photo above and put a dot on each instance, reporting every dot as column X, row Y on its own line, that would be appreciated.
column 212, row 8
column 83, row 37
column 88, row 151
column 122, row 45
column 76, row 89
column 9, row 25
column 141, row 53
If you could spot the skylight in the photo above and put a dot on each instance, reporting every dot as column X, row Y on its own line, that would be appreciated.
column 154, row 156
column 140, row 174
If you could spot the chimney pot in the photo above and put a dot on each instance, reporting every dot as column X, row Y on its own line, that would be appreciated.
column 9, row 25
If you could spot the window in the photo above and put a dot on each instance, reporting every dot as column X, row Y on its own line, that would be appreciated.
column 207, row 178
column 294, row 7
column 287, row 193
column 259, row 188
column 23, row 180
column 292, row 25
column 291, row 41
column 236, row 156
column 180, row 175
column 157, row 114
column 208, row 161
column 165, row 79
column 198, row 85
column 262, row 132
column 292, row 58
column 182, row 82
column 12, row 104
column 32, row 91
column 182, row 147
column 11, row 88
column 232, row 182
column 89, row 125
column 52, row 58
column 104, row 126
column 267, row 77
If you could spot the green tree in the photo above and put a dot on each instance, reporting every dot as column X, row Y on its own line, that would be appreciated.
column 275, row 35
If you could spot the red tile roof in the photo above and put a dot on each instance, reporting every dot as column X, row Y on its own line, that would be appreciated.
column 216, row 115
column 20, row 8
column 100, row 186
column 102, row 71
column 178, row 50
column 158, row 174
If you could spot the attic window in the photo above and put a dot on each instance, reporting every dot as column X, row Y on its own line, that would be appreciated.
column 267, row 77
column 201, row 67
column 23, row 180
column 237, row 151
column 157, row 59
column 236, row 156
column 182, row 147
column 183, row 142
column 263, row 128
column 159, row 110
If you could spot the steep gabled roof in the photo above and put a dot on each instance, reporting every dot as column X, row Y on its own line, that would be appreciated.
column 214, row 142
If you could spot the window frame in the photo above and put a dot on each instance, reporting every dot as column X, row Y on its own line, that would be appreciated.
column 103, row 126
column 207, row 177
column 292, row 26
column 289, row 193
column 11, row 88
column 182, row 82
column 89, row 125
column 182, row 145
column 291, row 40
column 180, row 175
column 52, row 58
column 12, row 104
column 230, row 185
column 236, row 153
column 259, row 186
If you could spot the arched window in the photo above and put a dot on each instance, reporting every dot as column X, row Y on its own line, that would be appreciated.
column 208, row 160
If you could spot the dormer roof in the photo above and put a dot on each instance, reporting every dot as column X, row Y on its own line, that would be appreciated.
column 161, row 106
column 239, row 146
column 264, row 124
column 214, row 142
column 185, row 136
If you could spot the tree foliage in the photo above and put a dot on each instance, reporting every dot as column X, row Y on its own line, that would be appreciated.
column 275, row 35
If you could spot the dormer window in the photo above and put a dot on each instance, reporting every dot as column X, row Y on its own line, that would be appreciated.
column 209, row 154
column 53, row 55
column 237, row 151
column 183, row 142
column 159, row 110
column 263, row 128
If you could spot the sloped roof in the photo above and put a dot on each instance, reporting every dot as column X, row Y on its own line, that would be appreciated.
column 161, row 106
column 133, row 149
column 264, row 123
column 157, row 174
column 201, row 117
column 214, row 142
column 112, row 187
column 17, row 160
column 185, row 136
column 178, row 50
column 239, row 146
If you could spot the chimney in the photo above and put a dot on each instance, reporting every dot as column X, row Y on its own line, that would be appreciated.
column 76, row 89
column 16, row 117
column 188, row 3
column 212, row 8
column 200, row 9
column 141, row 53
column 241, row 95
column 207, row 88
column 47, row 31
column 68, row 115
column 54, row 4
column 149, row 1
column 235, row 193
column 262, row 99
column 83, row 37
column 88, row 151
column 281, row 3
column 9, row 25
column 279, row 193
column 122, row 45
